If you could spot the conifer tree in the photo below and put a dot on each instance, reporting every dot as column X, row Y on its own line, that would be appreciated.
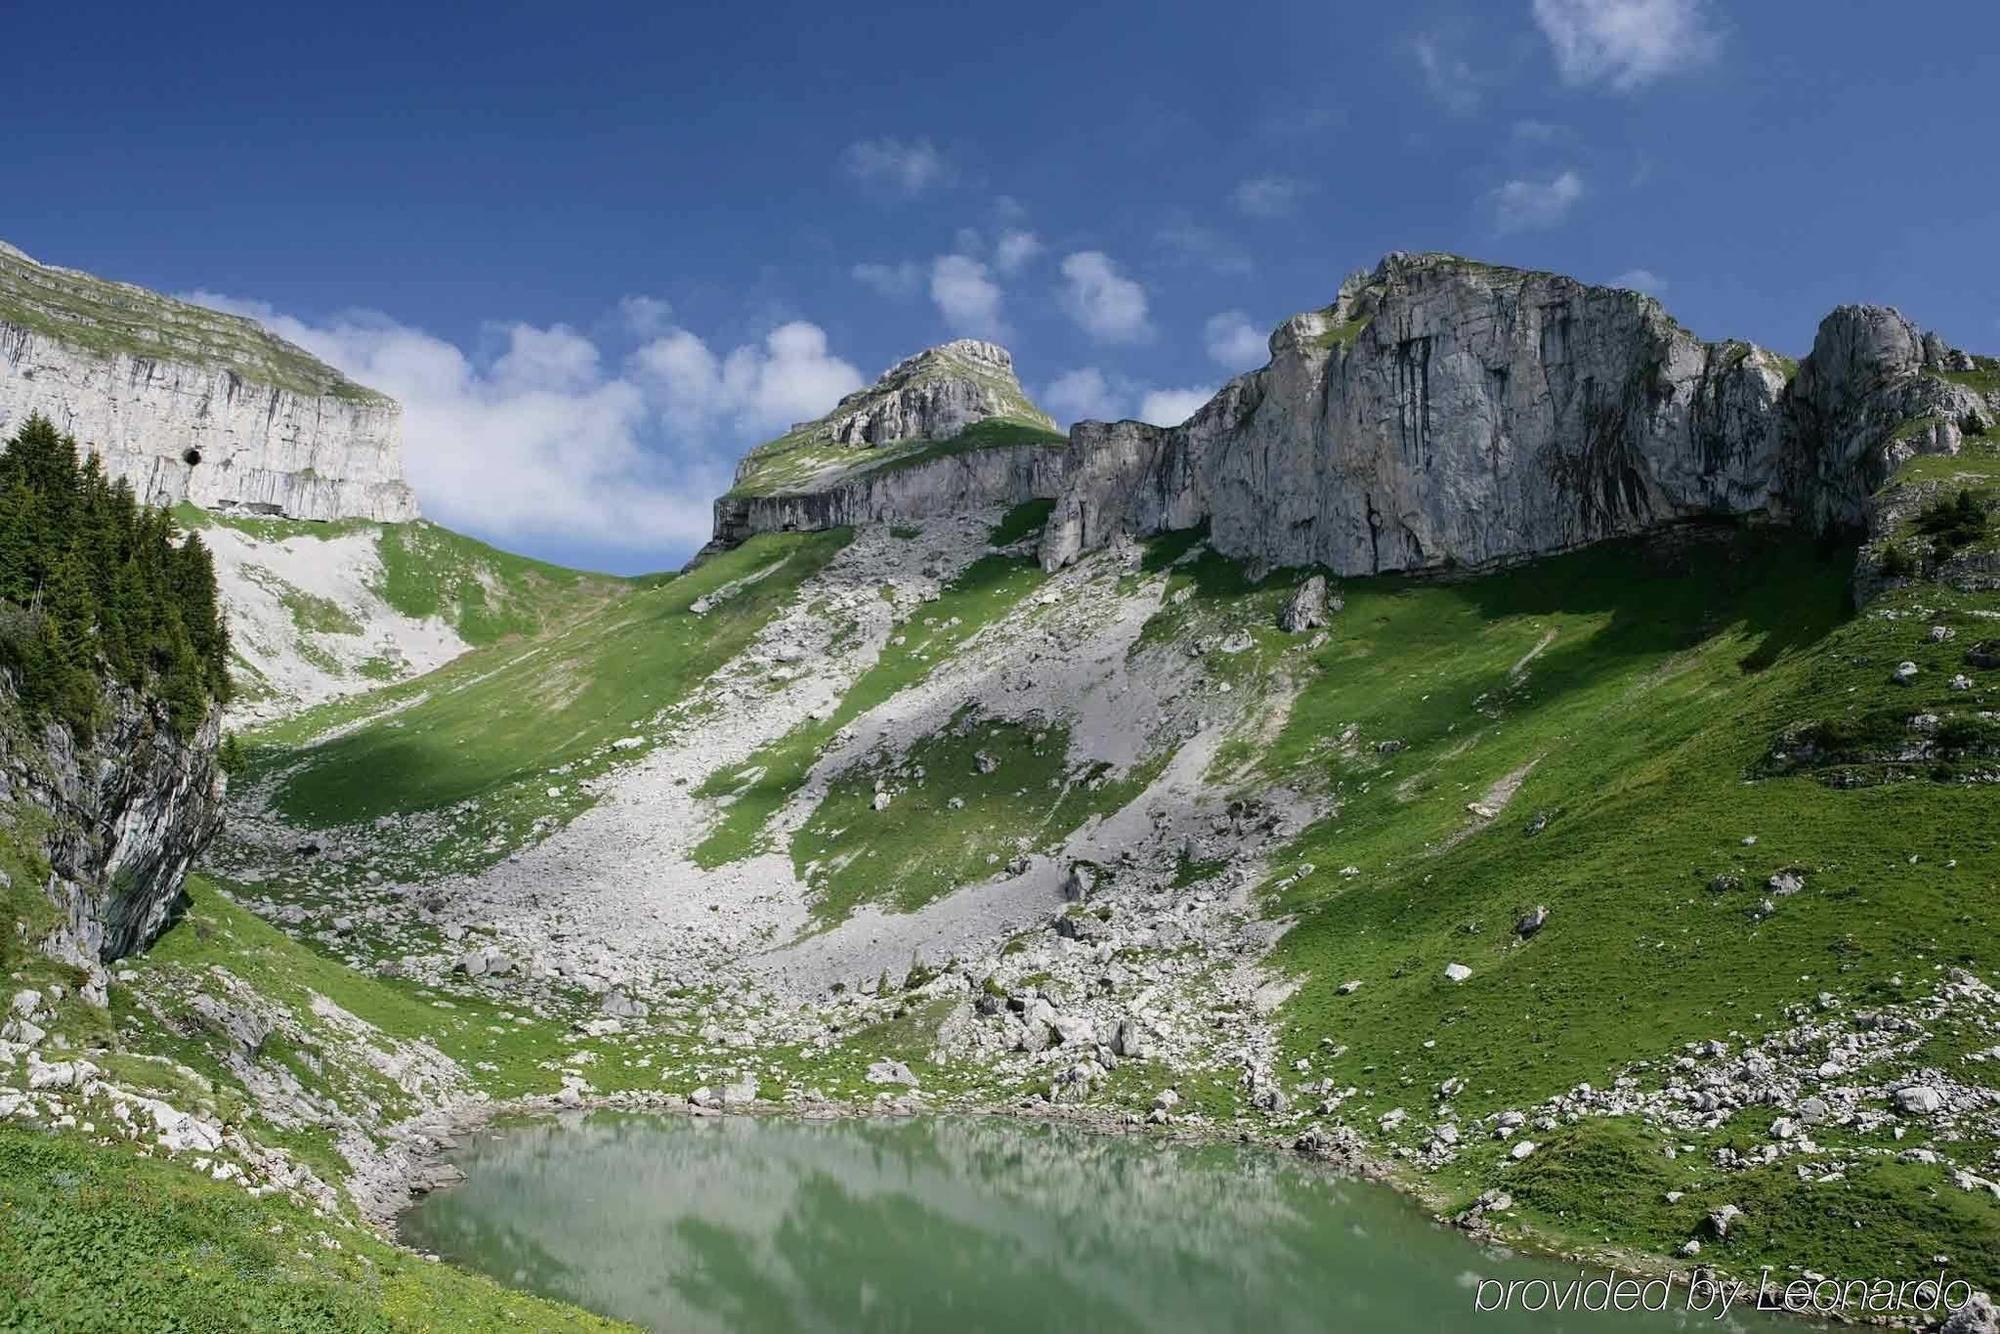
column 96, row 588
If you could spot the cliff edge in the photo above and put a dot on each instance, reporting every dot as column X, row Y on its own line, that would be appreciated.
column 190, row 404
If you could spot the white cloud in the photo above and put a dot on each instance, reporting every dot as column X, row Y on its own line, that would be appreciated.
column 891, row 280
column 1448, row 77
column 557, row 359
column 1082, row 395
column 1641, row 280
column 1200, row 245
column 1234, row 343
column 1015, row 249
column 1088, row 394
column 544, row 441
column 907, row 169
column 756, row 391
column 1268, row 196
column 1524, row 205
column 1171, row 407
column 966, row 296
column 1626, row 43
column 1104, row 303
column 644, row 316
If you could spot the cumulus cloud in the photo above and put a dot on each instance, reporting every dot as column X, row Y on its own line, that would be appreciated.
column 1268, row 196
column 644, row 316
column 1626, row 43
column 1014, row 250
column 907, row 169
column 1171, row 407
column 752, row 391
column 1088, row 394
column 1194, row 244
column 891, row 280
column 966, row 296
column 1641, row 280
column 1104, row 303
column 1525, row 204
column 1234, row 343
column 1083, row 394
column 557, row 359
column 1448, row 77
column 543, row 440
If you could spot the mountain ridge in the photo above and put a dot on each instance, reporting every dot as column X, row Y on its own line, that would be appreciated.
column 191, row 404
column 1449, row 413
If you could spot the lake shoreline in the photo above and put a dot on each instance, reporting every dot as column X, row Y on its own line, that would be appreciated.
column 419, row 1163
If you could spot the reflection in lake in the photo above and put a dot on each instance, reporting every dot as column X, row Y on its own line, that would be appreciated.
column 743, row 1224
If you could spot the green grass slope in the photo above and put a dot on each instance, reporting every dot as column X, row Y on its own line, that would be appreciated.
column 1592, row 734
column 99, row 1238
column 493, row 725
column 984, row 592
column 480, row 591
column 111, row 318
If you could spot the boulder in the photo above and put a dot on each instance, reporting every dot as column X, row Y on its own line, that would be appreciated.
column 1306, row 609
column 1919, row 1100
column 1079, row 882
column 1977, row 1315
column 1075, row 1030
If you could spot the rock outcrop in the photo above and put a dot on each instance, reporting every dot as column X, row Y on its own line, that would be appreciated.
column 945, row 431
column 190, row 404
column 1450, row 413
column 933, row 396
column 997, row 476
column 121, row 819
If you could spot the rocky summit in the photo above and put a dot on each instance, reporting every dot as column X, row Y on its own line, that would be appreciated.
column 947, row 430
column 191, row 404
column 1445, row 413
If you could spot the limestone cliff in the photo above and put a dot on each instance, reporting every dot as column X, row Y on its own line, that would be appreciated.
column 190, row 404
column 1449, row 413
column 120, row 819
column 949, row 429
column 1003, row 475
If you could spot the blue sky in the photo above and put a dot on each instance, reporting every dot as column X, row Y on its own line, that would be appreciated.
column 600, row 248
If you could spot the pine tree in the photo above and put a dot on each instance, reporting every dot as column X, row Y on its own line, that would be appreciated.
column 98, row 589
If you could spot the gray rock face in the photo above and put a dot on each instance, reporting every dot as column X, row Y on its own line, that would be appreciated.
column 1444, row 412
column 1871, row 396
column 190, row 404
column 126, row 815
column 1307, row 608
column 898, row 451
column 1003, row 475
column 933, row 396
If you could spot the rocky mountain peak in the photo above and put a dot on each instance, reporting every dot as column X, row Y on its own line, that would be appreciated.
column 1447, row 412
column 931, row 396
column 949, row 430
column 925, row 399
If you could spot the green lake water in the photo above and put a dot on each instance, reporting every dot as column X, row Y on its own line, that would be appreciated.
column 748, row 1224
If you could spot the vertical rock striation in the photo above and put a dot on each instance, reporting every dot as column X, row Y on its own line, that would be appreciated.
column 122, row 818
column 190, row 404
column 1445, row 412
